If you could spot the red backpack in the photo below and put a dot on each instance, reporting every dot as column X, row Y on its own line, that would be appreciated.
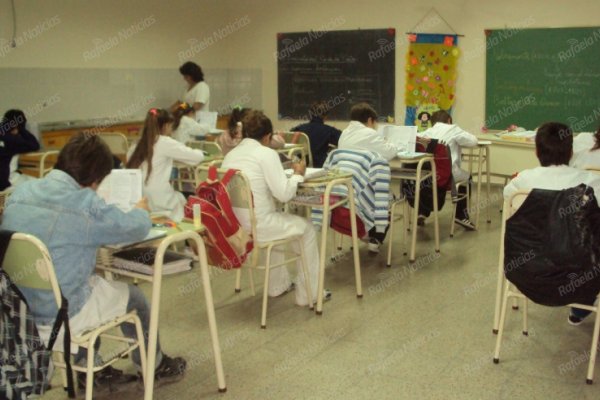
column 227, row 243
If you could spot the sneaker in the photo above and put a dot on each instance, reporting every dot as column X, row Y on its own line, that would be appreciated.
column 465, row 223
column 374, row 245
column 421, row 220
column 574, row 320
column 107, row 378
column 169, row 370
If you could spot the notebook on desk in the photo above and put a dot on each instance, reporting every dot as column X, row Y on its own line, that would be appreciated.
column 141, row 259
column 152, row 235
column 403, row 137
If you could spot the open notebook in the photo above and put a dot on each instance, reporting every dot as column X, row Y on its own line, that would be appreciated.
column 404, row 137
column 122, row 187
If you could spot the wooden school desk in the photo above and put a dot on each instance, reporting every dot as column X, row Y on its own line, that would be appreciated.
column 182, row 232
column 323, row 186
column 479, row 153
column 38, row 163
column 401, row 173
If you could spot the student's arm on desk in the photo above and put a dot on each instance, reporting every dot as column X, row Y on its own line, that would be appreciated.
column 282, row 187
column 112, row 226
column 180, row 152
column 464, row 138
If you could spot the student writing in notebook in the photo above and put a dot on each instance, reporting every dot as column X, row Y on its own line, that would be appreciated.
column 185, row 126
column 14, row 139
column 268, row 182
column 197, row 93
column 320, row 134
column 361, row 134
column 454, row 137
column 554, row 149
column 154, row 154
column 65, row 213
column 586, row 150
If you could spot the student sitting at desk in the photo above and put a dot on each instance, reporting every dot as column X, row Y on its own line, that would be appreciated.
column 554, row 149
column 14, row 139
column 233, row 135
column 361, row 133
column 454, row 137
column 65, row 213
column 586, row 150
column 319, row 134
column 262, row 167
column 185, row 126
column 154, row 154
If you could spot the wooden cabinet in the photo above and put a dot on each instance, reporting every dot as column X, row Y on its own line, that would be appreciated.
column 56, row 139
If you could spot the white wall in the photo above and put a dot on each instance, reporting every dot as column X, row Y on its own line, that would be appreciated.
column 249, row 29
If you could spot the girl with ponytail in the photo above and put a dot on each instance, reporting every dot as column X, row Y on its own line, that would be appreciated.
column 154, row 154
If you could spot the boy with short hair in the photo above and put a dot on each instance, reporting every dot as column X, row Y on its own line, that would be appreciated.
column 361, row 134
column 554, row 149
column 455, row 138
column 320, row 134
column 65, row 213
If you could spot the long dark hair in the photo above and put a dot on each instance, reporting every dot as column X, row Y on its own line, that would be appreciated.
column 181, row 110
column 156, row 119
column 192, row 70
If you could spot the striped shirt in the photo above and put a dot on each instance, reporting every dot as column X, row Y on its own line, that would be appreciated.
column 371, row 183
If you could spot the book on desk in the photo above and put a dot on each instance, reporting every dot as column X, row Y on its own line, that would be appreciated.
column 141, row 259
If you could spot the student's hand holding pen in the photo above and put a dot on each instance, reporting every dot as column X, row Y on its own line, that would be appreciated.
column 299, row 166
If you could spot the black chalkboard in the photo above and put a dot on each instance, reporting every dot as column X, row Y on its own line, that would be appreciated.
column 339, row 67
column 539, row 75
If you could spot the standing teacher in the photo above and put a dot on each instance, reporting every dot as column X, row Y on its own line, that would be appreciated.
column 198, row 92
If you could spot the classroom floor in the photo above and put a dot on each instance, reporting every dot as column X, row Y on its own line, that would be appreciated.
column 420, row 333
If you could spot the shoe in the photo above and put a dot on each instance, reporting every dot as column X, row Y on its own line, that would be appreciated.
column 170, row 370
column 573, row 320
column 290, row 288
column 421, row 220
column 374, row 245
column 108, row 378
column 465, row 223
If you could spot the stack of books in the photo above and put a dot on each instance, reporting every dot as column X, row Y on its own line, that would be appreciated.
column 141, row 259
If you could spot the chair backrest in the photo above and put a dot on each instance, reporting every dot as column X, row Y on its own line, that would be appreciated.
column 212, row 148
column 28, row 264
column 515, row 201
column 300, row 138
column 238, row 189
column 594, row 169
column 117, row 143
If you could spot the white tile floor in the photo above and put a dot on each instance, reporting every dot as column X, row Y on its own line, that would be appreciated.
column 421, row 333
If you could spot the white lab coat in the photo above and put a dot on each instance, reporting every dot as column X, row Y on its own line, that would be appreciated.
column 583, row 155
column 161, row 195
column 554, row 177
column 268, row 182
column 454, row 137
column 357, row 136
column 200, row 93
column 188, row 129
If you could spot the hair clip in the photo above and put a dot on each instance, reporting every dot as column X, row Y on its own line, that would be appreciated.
column 153, row 111
column 184, row 106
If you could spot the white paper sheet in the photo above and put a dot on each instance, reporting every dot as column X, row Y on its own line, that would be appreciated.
column 122, row 187
column 404, row 137
column 209, row 118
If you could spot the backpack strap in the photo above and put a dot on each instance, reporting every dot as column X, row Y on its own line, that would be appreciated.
column 228, row 175
column 212, row 174
column 62, row 319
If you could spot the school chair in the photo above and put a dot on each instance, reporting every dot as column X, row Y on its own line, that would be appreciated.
column 186, row 173
column 510, row 291
column 117, row 143
column 457, row 196
column 300, row 138
column 28, row 264
column 595, row 169
column 241, row 199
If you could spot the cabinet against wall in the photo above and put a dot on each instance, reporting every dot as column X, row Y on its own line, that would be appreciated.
column 57, row 138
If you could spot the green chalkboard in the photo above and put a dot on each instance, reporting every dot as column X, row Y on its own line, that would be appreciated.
column 539, row 75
